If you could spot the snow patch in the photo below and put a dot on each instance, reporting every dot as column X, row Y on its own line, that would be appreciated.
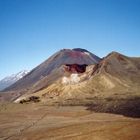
column 73, row 79
column 87, row 53
column 19, row 99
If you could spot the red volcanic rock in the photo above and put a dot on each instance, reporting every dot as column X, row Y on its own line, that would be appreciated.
column 75, row 68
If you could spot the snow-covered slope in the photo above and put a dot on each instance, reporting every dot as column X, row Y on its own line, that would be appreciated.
column 9, row 80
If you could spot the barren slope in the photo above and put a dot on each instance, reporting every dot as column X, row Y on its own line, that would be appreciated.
column 39, row 122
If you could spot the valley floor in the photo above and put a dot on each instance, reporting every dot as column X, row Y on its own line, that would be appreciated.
column 41, row 122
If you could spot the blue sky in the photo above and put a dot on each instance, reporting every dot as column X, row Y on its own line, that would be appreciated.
column 32, row 30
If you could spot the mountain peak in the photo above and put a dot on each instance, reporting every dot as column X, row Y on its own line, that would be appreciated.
column 63, row 57
column 114, row 53
column 80, row 49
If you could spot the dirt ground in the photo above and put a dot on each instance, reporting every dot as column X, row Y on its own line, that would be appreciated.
column 41, row 122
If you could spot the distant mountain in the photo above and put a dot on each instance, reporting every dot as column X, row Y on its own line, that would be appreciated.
column 9, row 80
column 62, row 57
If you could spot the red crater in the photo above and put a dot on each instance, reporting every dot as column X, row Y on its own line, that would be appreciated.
column 75, row 68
